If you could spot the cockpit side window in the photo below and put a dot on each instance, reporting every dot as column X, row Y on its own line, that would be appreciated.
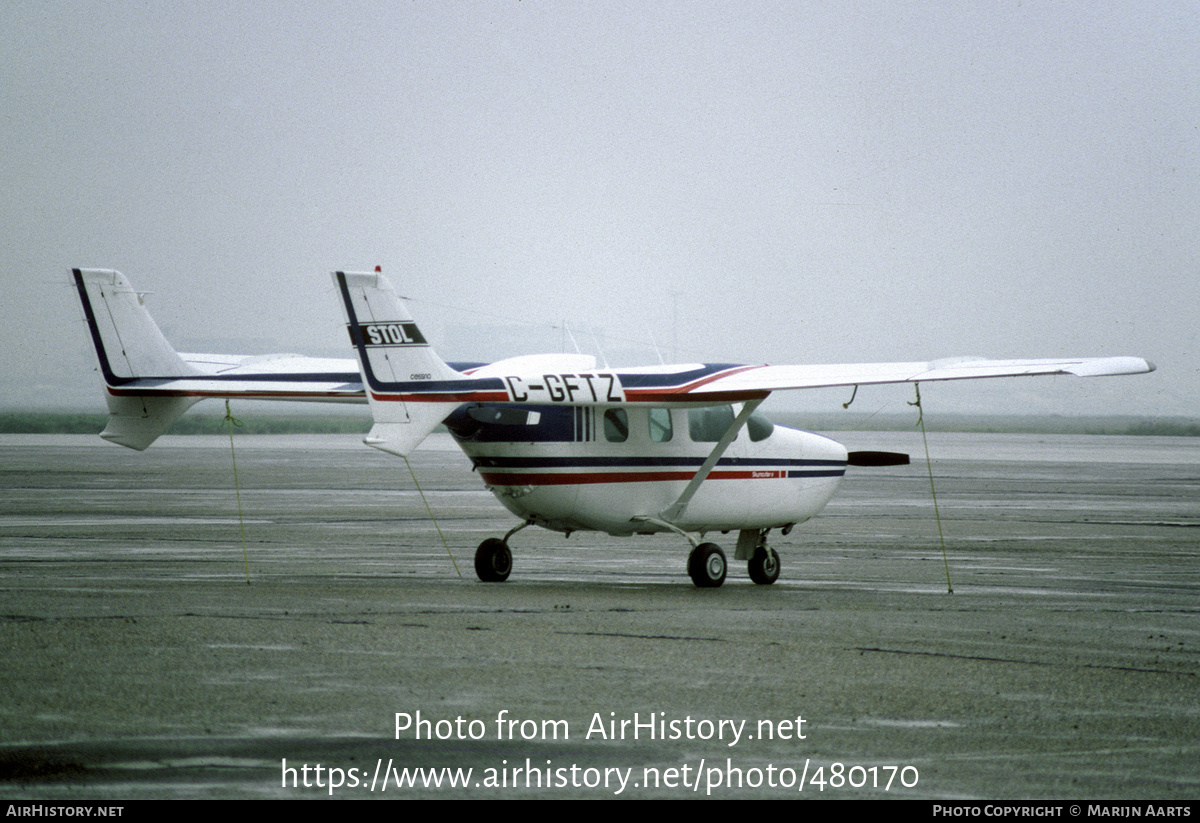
column 660, row 425
column 760, row 428
column 616, row 425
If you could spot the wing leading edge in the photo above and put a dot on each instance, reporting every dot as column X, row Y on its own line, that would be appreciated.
column 785, row 378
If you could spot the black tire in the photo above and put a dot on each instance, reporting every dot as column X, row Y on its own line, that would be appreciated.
column 706, row 566
column 493, row 561
column 764, row 566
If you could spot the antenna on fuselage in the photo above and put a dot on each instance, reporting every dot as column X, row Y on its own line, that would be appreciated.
column 567, row 329
column 599, row 348
column 657, row 350
column 675, row 325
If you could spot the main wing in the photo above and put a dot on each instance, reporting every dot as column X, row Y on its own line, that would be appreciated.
column 753, row 380
column 411, row 389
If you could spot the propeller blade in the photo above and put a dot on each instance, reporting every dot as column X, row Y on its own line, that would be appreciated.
column 877, row 459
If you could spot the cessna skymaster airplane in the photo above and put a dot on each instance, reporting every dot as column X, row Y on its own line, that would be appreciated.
column 561, row 443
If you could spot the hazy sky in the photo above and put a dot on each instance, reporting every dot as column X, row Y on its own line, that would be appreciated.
column 752, row 182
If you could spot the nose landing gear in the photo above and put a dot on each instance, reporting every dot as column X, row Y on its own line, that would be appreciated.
column 763, row 562
column 764, row 565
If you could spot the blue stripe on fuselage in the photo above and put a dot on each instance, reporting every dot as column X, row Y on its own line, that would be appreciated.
column 504, row 462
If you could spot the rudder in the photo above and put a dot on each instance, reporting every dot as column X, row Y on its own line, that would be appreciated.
column 130, row 347
column 399, row 367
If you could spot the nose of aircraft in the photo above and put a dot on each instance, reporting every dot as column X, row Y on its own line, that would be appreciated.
column 817, row 447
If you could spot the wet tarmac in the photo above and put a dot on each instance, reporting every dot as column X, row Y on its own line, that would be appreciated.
column 138, row 663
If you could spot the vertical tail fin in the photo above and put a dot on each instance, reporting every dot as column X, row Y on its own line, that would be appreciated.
column 401, row 372
column 128, row 342
column 130, row 348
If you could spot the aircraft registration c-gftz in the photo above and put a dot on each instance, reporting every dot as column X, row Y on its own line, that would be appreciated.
column 561, row 443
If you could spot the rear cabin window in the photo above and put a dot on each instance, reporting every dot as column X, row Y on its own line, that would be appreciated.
column 709, row 424
column 660, row 425
column 616, row 425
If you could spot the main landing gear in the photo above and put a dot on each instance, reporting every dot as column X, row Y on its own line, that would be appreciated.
column 493, row 560
column 707, row 563
column 706, row 566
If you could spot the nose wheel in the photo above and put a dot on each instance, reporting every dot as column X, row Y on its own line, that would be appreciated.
column 764, row 566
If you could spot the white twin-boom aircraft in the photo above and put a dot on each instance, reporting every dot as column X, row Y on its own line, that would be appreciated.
column 561, row 443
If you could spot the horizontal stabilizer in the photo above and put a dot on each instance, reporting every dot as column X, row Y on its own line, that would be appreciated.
column 136, row 421
column 401, row 439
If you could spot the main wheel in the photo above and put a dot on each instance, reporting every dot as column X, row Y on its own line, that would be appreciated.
column 493, row 560
column 706, row 566
column 764, row 566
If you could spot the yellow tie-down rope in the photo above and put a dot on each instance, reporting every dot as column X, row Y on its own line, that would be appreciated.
column 932, row 490
column 233, row 421
column 431, row 517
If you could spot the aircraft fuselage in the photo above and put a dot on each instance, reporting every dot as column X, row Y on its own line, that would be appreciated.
column 608, row 469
